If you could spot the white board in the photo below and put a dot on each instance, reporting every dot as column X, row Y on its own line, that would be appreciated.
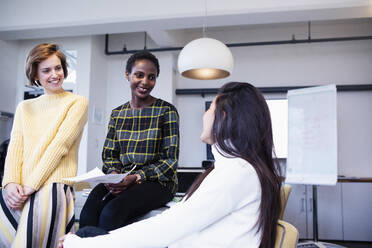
column 312, row 136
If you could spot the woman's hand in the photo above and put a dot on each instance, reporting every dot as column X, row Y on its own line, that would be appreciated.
column 117, row 188
column 62, row 239
column 15, row 196
column 28, row 191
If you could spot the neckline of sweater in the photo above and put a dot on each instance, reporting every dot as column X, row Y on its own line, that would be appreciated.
column 55, row 96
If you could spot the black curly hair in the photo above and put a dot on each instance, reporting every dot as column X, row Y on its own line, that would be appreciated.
column 142, row 55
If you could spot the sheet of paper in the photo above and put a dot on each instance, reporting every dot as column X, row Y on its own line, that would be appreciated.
column 86, row 176
column 96, row 176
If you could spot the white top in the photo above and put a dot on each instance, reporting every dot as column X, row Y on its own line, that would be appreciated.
column 222, row 212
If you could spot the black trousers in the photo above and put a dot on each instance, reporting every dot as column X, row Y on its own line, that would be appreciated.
column 90, row 231
column 118, row 211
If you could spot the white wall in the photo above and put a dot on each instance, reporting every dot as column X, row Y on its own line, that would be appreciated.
column 354, row 122
column 97, row 103
column 118, row 90
column 102, row 79
column 292, row 65
column 8, row 78
column 83, row 46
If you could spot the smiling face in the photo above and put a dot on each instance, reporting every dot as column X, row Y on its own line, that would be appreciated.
column 208, row 120
column 142, row 79
column 50, row 75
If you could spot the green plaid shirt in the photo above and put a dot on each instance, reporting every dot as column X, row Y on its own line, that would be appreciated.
column 148, row 138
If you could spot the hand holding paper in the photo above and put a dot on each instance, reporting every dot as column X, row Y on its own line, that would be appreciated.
column 96, row 176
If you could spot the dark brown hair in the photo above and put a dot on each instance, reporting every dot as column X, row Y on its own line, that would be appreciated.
column 242, row 128
column 38, row 54
column 195, row 185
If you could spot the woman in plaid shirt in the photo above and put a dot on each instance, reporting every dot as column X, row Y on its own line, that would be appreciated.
column 143, row 132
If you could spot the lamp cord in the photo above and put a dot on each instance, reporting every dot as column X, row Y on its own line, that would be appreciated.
column 145, row 46
column 205, row 19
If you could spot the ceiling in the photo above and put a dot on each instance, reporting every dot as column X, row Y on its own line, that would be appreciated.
column 164, row 22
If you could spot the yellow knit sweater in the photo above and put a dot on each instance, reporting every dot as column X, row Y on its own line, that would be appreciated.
column 45, row 139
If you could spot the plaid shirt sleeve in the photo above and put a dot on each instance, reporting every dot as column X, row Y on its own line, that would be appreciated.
column 166, row 167
column 111, row 149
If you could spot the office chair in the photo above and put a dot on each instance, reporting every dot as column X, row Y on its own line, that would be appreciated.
column 286, row 236
column 284, row 194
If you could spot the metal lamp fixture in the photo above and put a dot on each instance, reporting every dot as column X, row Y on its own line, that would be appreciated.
column 205, row 58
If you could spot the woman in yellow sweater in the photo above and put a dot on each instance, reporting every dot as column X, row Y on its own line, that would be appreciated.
column 36, row 205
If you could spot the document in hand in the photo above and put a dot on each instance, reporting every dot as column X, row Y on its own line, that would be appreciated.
column 96, row 176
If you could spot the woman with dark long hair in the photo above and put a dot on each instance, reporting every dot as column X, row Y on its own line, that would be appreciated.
column 236, row 203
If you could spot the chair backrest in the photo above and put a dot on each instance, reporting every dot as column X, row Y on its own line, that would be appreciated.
column 286, row 235
column 284, row 194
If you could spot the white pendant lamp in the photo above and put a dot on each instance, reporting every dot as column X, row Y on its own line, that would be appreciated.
column 205, row 59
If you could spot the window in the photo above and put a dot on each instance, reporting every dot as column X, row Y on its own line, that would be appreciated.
column 279, row 120
column 71, row 57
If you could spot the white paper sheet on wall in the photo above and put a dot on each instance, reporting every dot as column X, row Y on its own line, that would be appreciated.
column 312, row 136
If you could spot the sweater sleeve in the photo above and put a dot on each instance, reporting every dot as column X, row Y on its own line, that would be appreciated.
column 211, row 202
column 66, row 135
column 14, row 158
